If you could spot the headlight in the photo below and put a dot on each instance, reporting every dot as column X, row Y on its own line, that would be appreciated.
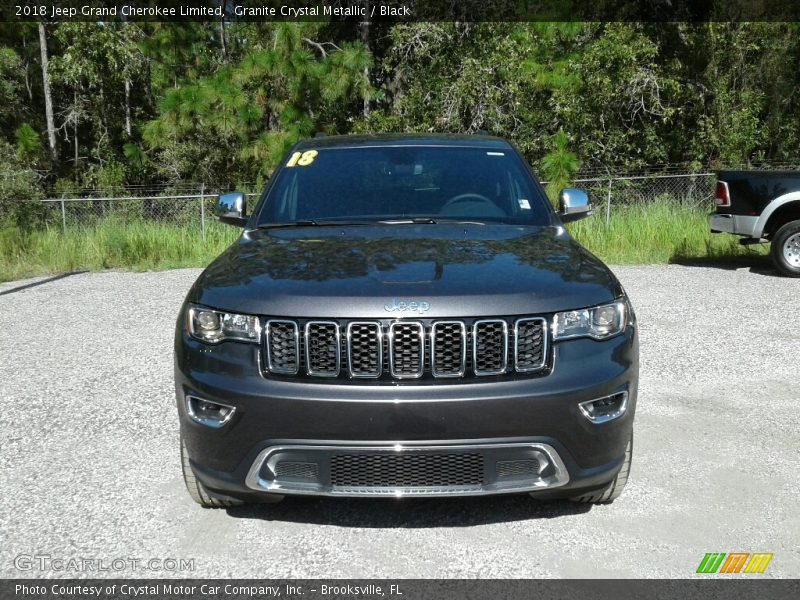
column 600, row 322
column 213, row 326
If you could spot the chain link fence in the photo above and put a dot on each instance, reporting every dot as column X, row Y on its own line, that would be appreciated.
column 191, row 206
column 686, row 190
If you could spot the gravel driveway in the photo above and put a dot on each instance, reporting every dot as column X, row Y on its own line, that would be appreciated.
column 89, row 450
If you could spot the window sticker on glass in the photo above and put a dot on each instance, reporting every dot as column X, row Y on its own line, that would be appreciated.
column 524, row 204
column 302, row 159
column 495, row 154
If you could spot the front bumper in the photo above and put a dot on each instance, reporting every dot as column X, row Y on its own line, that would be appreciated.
column 505, row 420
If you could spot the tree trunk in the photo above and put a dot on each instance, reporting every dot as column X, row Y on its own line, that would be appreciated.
column 75, row 133
column 222, row 31
column 128, row 107
column 27, row 68
column 48, row 100
column 365, row 41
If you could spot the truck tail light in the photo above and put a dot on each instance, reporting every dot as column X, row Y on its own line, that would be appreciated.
column 722, row 195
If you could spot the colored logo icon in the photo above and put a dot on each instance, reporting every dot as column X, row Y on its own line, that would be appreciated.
column 734, row 562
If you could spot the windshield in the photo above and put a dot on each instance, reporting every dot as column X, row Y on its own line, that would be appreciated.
column 405, row 182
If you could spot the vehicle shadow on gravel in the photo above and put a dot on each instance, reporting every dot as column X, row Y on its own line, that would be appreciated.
column 410, row 513
column 759, row 265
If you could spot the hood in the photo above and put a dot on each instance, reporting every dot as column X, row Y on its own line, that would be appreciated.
column 384, row 271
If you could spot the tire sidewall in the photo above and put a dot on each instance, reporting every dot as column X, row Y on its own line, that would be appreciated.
column 776, row 250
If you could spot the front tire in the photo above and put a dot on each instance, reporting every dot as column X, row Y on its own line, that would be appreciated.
column 197, row 490
column 614, row 489
column 785, row 250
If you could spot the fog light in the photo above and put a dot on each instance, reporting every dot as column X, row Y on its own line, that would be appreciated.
column 210, row 414
column 605, row 409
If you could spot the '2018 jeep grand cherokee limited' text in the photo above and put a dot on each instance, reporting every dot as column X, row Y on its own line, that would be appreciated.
column 405, row 316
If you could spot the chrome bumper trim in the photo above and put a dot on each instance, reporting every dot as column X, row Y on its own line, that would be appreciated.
column 551, row 474
column 735, row 224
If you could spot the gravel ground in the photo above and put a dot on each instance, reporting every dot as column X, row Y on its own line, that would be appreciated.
column 89, row 464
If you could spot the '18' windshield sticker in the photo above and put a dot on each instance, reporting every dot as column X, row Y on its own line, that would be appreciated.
column 302, row 159
column 524, row 204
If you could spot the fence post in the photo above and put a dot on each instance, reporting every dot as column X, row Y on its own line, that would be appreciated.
column 203, row 210
column 608, row 202
column 63, row 215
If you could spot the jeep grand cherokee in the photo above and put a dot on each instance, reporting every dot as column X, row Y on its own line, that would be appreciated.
column 405, row 316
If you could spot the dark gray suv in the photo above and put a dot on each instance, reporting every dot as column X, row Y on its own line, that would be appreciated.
column 405, row 316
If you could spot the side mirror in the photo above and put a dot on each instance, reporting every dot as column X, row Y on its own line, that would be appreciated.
column 231, row 209
column 573, row 204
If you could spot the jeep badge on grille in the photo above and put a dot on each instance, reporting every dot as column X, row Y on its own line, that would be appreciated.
column 417, row 306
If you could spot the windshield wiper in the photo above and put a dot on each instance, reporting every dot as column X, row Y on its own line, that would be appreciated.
column 412, row 221
column 312, row 223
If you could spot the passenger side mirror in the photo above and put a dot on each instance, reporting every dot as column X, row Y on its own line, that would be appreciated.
column 573, row 204
column 231, row 209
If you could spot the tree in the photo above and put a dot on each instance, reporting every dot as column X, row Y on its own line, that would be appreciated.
column 48, row 101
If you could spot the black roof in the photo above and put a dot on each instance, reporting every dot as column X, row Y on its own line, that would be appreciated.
column 403, row 139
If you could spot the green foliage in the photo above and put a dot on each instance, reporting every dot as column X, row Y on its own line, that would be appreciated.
column 11, row 85
column 558, row 166
column 140, row 103
column 20, row 193
column 28, row 143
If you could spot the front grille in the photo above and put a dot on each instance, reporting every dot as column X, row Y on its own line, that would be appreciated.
column 365, row 349
column 448, row 349
column 406, row 470
column 490, row 347
column 322, row 348
column 406, row 349
column 531, row 344
column 281, row 339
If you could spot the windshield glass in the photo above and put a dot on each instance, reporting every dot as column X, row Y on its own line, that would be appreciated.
column 405, row 182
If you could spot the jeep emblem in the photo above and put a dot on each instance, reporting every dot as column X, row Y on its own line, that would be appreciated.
column 419, row 307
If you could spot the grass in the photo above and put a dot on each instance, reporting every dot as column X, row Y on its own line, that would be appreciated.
column 137, row 246
column 656, row 233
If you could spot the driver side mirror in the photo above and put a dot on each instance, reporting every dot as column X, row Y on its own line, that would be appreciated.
column 573, row 204
column 231, row 209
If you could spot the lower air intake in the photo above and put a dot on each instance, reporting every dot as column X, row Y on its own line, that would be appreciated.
column 401, row 471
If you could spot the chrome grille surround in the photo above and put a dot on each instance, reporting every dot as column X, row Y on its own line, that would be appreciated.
column 406, row 350
column 323, row 350
column 493, row 350
column 404, row 336
column 279, row 345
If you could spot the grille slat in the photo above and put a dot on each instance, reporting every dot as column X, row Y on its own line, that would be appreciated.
column 323, row 356
column 282, row 343
column 530, row 344
column 407, row 349
column 490, row 347
column 448, row 349
column 364, row 349
column 411, row 470
column 400, row 349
